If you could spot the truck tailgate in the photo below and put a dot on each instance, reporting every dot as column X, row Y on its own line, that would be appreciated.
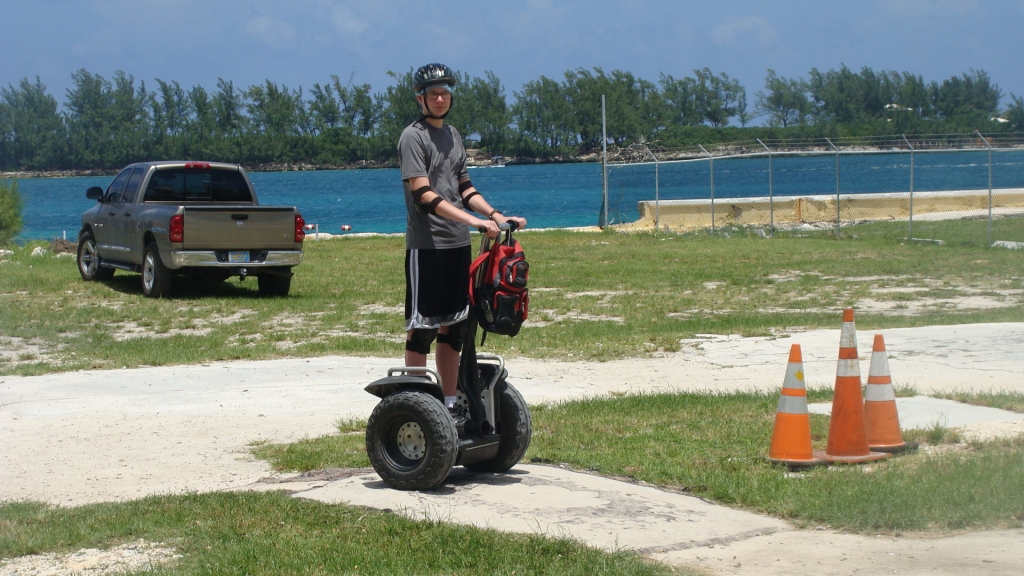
column 239, row 228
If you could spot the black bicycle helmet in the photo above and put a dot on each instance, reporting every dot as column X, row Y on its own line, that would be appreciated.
column 433, row 75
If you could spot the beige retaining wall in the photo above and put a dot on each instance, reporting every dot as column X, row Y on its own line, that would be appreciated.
column 687, row 215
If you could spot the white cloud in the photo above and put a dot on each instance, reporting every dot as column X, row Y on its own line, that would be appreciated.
column 273, row 33
column 736, row 32
column 347, row 23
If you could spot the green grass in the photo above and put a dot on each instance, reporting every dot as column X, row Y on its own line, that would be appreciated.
column 715, row 446
column 276, row 534
column 1004, row 400
column 593, row 296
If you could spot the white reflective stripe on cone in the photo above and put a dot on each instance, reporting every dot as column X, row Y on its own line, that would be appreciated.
column 848, row 367
column 792, row 404
column 848, row 337
column 879, row 364
column 879, row 393
column 794, row 377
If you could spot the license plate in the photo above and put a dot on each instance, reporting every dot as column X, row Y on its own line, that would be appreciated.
column 238, row 257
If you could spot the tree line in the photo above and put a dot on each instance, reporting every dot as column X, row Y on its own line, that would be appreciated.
column 108, row 123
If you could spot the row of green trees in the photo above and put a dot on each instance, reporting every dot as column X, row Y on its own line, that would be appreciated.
column 105, row 124
column 11, row 205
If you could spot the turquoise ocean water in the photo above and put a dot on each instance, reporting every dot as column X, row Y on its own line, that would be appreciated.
column 561, row 195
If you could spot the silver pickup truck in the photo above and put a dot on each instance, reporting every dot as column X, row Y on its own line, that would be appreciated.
column 199, row 219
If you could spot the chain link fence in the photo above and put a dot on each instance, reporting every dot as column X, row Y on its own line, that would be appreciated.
column 972, row 184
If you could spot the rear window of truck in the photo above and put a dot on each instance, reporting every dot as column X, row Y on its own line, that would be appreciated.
column 191, row 185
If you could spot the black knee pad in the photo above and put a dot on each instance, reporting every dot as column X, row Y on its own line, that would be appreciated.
column 421, row 340
column 455, row 337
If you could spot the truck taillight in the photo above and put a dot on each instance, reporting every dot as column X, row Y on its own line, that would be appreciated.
column 300, row 225
column 176, row 229
column 197, row 165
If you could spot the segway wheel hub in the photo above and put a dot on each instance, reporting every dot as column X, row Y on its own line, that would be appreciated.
column 411, row 442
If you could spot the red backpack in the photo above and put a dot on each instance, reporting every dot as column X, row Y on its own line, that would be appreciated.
column 500, row 298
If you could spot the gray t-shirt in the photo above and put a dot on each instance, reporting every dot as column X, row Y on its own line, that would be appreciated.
column 438, row 154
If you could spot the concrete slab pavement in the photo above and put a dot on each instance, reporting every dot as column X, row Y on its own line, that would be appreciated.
column 828, row 553
column 549, row 500
column 924, row 412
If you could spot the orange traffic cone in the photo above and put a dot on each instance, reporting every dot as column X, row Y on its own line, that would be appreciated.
column 791, row 437
column 847, row 439
column 881, row 419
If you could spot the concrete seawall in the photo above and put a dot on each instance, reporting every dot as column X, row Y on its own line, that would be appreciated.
column 689, row 215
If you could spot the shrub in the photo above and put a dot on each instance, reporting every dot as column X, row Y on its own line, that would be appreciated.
column 10, row 211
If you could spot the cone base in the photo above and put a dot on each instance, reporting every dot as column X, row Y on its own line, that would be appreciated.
column 897, row 448
column 799, row 463
column 869, row 457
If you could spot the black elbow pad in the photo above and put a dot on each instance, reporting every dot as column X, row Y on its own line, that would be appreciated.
column 430, row 207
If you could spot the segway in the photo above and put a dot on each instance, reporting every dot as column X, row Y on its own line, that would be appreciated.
column 411, row 438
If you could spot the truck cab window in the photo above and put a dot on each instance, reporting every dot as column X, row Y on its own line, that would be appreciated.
column 181, row 184
column 128, row 196
column 114, row 190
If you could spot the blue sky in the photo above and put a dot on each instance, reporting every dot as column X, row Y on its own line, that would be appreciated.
column 302, row 42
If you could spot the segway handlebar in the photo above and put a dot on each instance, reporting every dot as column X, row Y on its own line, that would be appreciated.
column 504, row 226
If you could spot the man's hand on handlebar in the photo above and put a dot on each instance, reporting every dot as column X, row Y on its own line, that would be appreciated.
column 487, row 227
column 520, row 222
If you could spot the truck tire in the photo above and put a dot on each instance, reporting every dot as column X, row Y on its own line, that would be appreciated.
column 411, row 441
column 515, row 428
column 89, row 260
column 274, row 285
column 156, row 278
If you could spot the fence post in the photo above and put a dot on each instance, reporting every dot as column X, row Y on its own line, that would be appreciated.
column 657, row 200
column 910, row 226
column 771, row 201
column 604, row 166
column 837, row 185
column 989, row 245
column 711, row 164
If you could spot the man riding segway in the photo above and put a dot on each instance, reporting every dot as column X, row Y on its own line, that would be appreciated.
column 410, row 437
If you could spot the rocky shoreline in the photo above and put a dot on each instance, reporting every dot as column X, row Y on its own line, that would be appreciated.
column 473, row 162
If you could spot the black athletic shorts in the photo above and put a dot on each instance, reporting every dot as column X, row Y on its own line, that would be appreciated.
column 436, row 286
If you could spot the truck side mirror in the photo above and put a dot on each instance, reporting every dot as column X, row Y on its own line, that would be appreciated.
column 94, row 193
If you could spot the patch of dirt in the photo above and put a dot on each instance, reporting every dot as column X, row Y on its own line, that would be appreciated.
column 129, row 330
column 380, row 309
column 604, row 295
column 15, row 351
column 542, row 318
column 291, row 322
column 61, row 246
column 965, row 299
column 131, row 557
column 199, row 326
column 325, row 475
column 698, row 313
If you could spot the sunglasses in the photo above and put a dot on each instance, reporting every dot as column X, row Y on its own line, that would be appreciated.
column 435, row 94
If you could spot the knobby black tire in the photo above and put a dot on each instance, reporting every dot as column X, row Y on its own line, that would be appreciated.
column 515, row 428
column 156, row 278
column 89, row 260
column 439, row 432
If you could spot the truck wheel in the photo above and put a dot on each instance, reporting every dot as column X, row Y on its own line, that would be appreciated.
column 89, row 260
column 273, row 285
column 515, row 429
column 411, row 441
column 156, row 278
